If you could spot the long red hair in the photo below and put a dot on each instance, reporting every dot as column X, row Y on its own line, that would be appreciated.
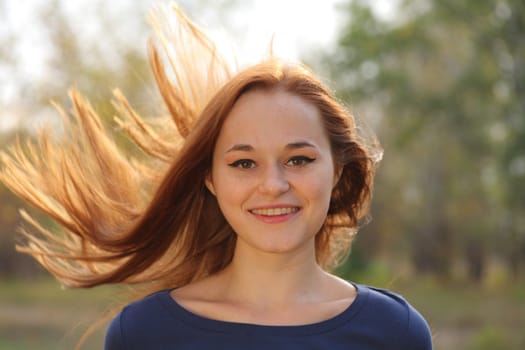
column 130, row 222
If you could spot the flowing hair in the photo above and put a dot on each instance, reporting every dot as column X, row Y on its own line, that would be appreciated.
column 153, row 221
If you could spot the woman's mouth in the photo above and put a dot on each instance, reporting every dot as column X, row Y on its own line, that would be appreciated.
column 275, row 211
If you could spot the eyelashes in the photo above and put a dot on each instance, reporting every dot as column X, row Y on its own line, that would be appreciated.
column 243, row 164
column 298, row 161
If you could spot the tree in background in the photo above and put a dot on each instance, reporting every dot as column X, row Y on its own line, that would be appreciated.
column 446, row 81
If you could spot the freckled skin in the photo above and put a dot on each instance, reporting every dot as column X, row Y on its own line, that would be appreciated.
column 273, row 152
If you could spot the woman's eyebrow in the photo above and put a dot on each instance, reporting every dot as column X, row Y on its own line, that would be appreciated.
column 300, row 144
column 290, row 146
column 240, row 147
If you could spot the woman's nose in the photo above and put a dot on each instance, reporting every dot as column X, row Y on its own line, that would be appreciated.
column 274, row 181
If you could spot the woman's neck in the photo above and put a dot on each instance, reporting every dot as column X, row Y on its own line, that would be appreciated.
column 272, row 289
column 275, row 279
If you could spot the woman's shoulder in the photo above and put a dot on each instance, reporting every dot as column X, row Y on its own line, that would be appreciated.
column 392, row 303
column 143, row 316
column 152, row 304
column 390, row 313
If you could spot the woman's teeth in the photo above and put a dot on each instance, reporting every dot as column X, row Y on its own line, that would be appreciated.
column 274, row 211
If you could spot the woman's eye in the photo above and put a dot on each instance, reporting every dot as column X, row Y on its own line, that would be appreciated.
column 299, row 161
column 243, row 164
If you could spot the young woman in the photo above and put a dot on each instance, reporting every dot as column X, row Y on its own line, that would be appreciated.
column 236, row 241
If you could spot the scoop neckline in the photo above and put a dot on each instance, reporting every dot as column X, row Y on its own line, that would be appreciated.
column 201, row 322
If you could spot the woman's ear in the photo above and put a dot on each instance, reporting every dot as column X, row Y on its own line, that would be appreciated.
column 209, row 183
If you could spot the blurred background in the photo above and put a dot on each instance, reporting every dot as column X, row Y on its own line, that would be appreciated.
column 442, row 83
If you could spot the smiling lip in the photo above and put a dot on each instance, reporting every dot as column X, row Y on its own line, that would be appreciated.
column 275, row 214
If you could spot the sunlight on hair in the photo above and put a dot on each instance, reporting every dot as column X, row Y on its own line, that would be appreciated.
column 89, row 186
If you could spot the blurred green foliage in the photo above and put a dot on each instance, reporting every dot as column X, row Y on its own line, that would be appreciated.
column 37, row 314
column 444, row 84
column 490, row 338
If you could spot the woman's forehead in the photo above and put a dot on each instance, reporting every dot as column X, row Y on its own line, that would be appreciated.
column 262, row 117
column 274, row 104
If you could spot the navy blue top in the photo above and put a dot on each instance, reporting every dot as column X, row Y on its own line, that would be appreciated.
column 376, row 320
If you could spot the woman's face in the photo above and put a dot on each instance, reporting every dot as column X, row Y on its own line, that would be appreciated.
column 273, row 172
